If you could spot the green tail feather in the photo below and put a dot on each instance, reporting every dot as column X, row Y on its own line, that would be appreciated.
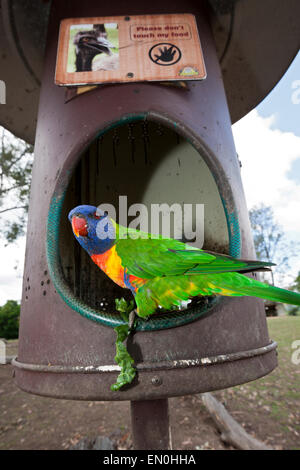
column 172, row 290
column 247, row 286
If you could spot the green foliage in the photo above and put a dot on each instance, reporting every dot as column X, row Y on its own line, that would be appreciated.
column 124, row 307
column 271, row 309
column 296, row 285
column 294, row 311
column 9, row 320
column 123, row 358
column 270, row 241
column 16, row 158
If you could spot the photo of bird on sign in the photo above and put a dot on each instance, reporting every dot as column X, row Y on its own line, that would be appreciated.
column 93, row 48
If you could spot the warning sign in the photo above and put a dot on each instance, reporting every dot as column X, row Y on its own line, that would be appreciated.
column 159, row 33
column 129, row 49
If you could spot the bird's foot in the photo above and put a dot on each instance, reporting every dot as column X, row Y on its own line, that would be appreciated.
column 131, row 319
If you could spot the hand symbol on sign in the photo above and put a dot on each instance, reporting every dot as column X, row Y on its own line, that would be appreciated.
column 166, row 54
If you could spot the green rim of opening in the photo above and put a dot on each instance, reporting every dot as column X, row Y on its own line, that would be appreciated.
column 157, row 322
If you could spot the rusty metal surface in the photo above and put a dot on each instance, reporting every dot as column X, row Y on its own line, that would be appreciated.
column 150, row 425
column 146, row 366
column 252, row 57
column 50, row 331
column 23, row 28
column 149, row 384
column 157, row 379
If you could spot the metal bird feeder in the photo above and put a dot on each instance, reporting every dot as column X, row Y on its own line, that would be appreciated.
column 153, row 143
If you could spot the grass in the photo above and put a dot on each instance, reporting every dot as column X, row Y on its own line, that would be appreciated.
column 284, row 330
column 274, row 397
column 268, row 408
column 284, row 381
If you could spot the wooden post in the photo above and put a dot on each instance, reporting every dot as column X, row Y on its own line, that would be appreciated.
column 150, row 425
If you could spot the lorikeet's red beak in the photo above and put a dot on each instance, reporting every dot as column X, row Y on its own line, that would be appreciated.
column 79, row 226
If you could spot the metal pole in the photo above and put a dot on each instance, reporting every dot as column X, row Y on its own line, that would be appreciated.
column 150, row 425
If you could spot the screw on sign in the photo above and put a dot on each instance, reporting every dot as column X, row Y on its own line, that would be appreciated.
column 165, row 54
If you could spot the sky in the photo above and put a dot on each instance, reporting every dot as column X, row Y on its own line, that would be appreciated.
column 268, row 144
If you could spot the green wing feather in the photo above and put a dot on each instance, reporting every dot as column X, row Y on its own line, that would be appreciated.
column 176, row 271
column 169, row 291
column 149, row 258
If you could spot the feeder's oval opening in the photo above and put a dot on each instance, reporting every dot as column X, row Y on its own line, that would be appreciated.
column 137, row 162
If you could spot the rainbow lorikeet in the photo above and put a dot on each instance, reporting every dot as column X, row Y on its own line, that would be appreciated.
column 162, row 271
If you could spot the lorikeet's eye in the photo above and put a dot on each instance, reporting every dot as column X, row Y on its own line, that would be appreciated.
column 79, row 226
column 97, row 216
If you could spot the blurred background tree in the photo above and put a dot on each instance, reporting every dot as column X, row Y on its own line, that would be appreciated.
column 16, row 159
column 296, row 285
column 295, row 310
column 271, row 243
column 9, row 320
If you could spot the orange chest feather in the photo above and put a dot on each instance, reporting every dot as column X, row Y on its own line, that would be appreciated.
column 110, row 263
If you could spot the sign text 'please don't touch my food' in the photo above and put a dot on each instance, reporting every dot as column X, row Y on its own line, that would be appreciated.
column 116, row 49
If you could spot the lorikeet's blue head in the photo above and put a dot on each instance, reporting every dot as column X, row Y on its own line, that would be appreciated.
column 93, row 229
